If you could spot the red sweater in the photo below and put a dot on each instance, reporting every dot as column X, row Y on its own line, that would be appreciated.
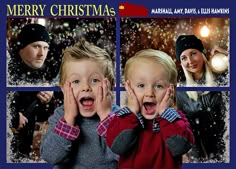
column 150, row 150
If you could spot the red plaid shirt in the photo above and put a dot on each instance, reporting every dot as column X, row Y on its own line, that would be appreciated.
column 72, row 132
column 102, row 126
column 65, row 130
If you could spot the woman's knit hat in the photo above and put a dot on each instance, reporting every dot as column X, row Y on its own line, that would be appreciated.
column 32, row 33
column 186, row 42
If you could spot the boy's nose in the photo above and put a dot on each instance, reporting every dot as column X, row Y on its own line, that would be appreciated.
column 86, row 87
column 149, row 93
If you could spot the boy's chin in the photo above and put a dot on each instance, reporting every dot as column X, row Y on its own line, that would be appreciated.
column 87, row 113
column 149, row 116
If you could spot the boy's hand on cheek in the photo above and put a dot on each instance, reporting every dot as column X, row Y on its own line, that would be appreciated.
column 70, row 104
column 132, row 102
column 104, row 99
column 167, row 100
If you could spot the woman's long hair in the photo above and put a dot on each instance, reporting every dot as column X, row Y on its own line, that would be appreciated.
column 190, row 82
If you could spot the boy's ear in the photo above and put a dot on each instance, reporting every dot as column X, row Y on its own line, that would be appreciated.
column 62, row 88
column 112, row 87
column 174, row 91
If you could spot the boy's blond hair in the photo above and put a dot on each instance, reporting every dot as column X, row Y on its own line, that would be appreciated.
column 157, row 56
column 85, row 50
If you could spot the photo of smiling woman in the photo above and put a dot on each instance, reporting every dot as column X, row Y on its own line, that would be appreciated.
column 199, row 70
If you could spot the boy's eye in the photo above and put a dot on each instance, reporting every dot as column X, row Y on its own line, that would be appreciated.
column 95, row 80
column 141, row 85
column 158, row 86
column 75, row 81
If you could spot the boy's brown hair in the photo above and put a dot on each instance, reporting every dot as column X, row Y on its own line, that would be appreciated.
column 86, row 50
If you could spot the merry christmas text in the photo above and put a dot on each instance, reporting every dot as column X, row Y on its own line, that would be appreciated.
column 59, row 10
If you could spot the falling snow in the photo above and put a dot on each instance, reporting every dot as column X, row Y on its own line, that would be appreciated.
column 161, row 34
column 63, row 33
column 135, row 34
